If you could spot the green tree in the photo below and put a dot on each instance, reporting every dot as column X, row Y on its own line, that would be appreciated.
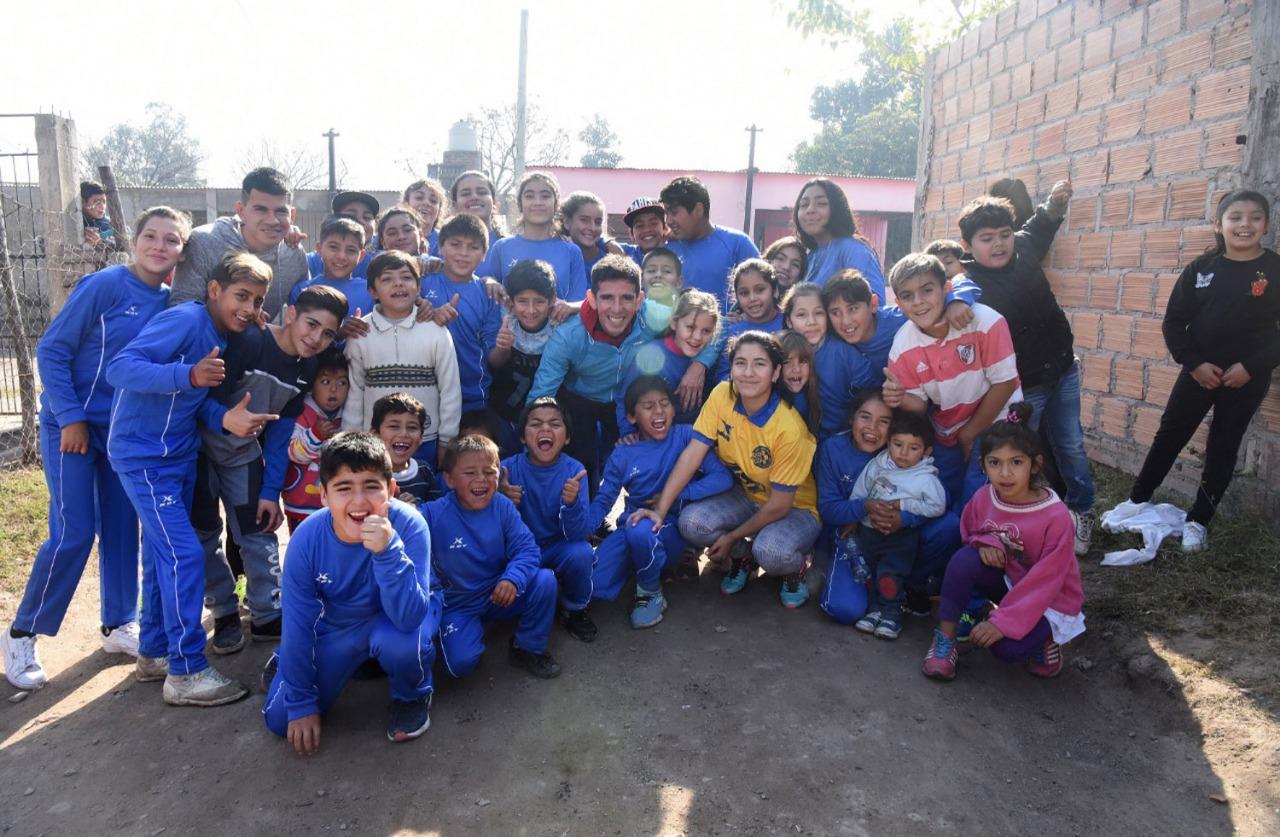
column 600, row 140
column 160, row 153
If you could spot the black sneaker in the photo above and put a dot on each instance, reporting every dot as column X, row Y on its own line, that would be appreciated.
column 228, row 636
column 578, row 623
column 269, row 673
column 539, row 665
column 407, row 719
column 918, row 604
column 266, row 632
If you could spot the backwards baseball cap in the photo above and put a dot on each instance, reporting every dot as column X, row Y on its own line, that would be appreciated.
column 643, row 205
column 343, row 198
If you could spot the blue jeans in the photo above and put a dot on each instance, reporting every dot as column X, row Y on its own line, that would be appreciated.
column 1058, row 405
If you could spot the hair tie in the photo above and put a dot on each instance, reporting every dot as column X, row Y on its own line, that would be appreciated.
column 1013, row 418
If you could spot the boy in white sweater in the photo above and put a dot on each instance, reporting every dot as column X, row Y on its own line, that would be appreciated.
column 400, row 354
column 902, row 475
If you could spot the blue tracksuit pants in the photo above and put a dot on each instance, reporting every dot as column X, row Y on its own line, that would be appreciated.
column 172, row 565
column 961, row 479
column 635, row 549
column 406, row 657
column 85, row 497
column 462, row 625
column 571, row 561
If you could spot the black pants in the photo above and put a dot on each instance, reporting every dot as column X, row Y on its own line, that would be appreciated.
column 593, row 433
column 1188, row 404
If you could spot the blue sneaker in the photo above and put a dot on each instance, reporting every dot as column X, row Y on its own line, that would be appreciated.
column 868, row 623
column 736, row 578
column 970, row 617
column 794, row 591
column 888, row 628
column 408, row 719
column 648, row 608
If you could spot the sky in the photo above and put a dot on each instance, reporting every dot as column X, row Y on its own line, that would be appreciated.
column 392, row 77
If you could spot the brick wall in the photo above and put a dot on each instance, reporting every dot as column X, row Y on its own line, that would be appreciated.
column 1140, row 104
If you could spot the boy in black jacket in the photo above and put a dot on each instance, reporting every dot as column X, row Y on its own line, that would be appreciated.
column 1006, row 265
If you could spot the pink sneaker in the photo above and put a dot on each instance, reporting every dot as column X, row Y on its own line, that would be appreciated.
column 1046, row 662
column 940, row 662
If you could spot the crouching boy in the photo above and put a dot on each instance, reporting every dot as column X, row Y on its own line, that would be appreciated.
column 357, row 585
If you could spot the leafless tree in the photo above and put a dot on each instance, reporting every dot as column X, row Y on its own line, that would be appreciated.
column 304, row 167
column 159, row 153
column 496, row 139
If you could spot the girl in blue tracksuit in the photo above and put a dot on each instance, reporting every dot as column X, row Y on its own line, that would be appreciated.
column 538, row 199
column 827, row 229
column 798, row 377
column 488, row 563
column 546, row 485
column 642, row 468
column 757, row 298
column 694, row 324
column 105, row 311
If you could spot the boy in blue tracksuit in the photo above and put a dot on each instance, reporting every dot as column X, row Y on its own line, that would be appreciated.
column 461, row 303
column 105, row 311
column 546, row 486
column 357, row 584
column 339, row 253
column 489, row 565
column 162, row 380
column 642, row 469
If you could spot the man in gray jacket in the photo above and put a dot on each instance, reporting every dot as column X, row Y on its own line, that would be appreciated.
column 264, row 214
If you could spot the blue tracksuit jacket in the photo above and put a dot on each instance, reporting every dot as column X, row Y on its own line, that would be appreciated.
column 707, row 262
column 841, row 371
column 840, row 253
column 565, row 258
column 548, row 519
column 889, row 318
column 474, row 550
column 474, row 331
column 655, row 358
column 721, row 371
column 355, row 289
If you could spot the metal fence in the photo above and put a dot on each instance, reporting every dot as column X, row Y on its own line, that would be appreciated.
column 28, row 267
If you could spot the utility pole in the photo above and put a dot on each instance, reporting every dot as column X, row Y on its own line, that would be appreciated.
column 333, row 169
column 751, row 175
column 521, row 96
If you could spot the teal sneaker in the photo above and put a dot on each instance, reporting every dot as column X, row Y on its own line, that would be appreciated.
column 794, row 591
column 736, row 578
column 648, row 608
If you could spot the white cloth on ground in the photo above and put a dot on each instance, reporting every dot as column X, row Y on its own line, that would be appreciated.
column 1155, row 523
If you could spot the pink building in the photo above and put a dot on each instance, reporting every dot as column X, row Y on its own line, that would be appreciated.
column 882, row 205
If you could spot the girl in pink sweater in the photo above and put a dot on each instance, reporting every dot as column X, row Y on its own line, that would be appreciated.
column 1019, row 552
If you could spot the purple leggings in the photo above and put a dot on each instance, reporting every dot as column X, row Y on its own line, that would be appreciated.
column 966, row 575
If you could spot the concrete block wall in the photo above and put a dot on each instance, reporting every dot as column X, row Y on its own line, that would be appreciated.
column 1147, row 107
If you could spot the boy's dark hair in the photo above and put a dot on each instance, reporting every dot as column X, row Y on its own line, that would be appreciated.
column 397, row 402
column 911, row 266
column 1015, row 191
column 615, row 267
column 945, row 247
column 236, row 268
column 392, row 260
column 89, row 188
column 983, row 213
column 343, row 226
column 267, row 180
column 661, row 253
column 840, row 224
column 462, row 445
column 357, row 451
column 1015, row 431
column 484, row 420
column 464, row 225
column 912, row 424
column 532, row 275
column 322, row 298
column 331, row 360
column 545, row 402
column 686, row 192
column 848, row 285
column 641, row 387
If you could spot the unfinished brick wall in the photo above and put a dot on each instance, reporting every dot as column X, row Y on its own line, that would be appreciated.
column 1140, row 104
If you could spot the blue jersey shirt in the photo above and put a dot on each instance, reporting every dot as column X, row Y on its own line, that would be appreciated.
column 315, row 266
column 474, row 331
column 841, row 371
column 838, row 466
column 707, row 262
column 156, row 407
column 721, row 372
column 105, row 312
column 657, row 357
column 328, row 585
column 474, row 550
column 840, row 253
column 356, row 290
column 550, row 520
column 565, row 258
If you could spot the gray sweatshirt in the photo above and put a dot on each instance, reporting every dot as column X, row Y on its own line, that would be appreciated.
column 917, row 487
column 207, row 246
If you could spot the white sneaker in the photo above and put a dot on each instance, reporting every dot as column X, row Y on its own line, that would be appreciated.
column 122, row 639
column 1084, row 531
column 151, row 669
column 1194, row 537
column 204, row 688
column 1121, row 513
column 21, row 662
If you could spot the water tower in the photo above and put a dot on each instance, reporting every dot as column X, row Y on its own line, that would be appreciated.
column 461, row 155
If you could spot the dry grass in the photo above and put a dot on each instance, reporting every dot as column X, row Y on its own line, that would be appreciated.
column 24, row 524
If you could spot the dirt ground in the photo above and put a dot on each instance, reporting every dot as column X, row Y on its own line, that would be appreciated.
column 734, row 716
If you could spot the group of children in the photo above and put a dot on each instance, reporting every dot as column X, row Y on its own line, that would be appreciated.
column 451, row 416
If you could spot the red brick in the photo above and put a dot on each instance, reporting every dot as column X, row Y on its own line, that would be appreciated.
column 1148, row 203
column 953, row 196
column 1200, row 12
column 1019, row 149
column 1178, row 152
column 1136, row 291
column 1037, row 37
column 1169, row 109
column 1003, row 119
column 974, row 188
column 1164, row 18
column 1051, row 173
column 1065, row 251
column 1164, row 287
column 1187, row 199
column 1103, row 291
column 1161, row 249
column 1128, row 35
column 1082, row 131
column 1088, row 410
column 995, row 60
column 1060, row 101
column 993, row 156
column 933, row 201
column 1115, row 208
column 1270, row 410
column 1115, row 8
column 1160, row 378
column 1223, row 93
column 1129, row 162
column 979, row 129
column 1049, row 140
column 1087, row 16
column 1129, row 381
column 1148, row 338
column 1020, row 84
column 1135, row 75
column 1231, row 43
column 1121, row 122
column 1087, row 328
column 1097, row 48
column 1069, row 57
column 1097, row 372
column 1221, row 148
column 1015, row 49
column 1146, row 421
column 982, row 100
column 964, row 101
column 971, row 162
column 1082, row 215
column 1096, row 87
column 1186, row 56
column 1000, row 88
column 1059, row 21
column 1126, row 249
column 1030, row 112
column 1089, row 170
column 1093, row 250
column 1113, row 417
column 1195, row 240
